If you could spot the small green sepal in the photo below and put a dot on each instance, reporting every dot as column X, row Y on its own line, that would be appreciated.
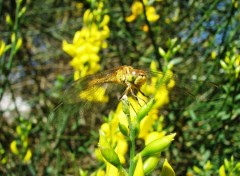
column 111, row 156
column 145, row 110
column 167, row 169
column 123, row 129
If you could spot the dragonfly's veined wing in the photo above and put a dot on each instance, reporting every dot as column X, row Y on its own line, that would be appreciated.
column 89, row 86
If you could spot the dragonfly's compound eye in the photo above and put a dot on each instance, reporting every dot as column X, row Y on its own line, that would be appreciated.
column 140, row 79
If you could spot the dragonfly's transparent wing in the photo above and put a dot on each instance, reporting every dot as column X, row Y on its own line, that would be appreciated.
column 87, row 84
column 177, row 90
column 83, row 103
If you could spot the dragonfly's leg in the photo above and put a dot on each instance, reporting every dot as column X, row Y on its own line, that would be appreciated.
column 142, row 93
column 136, row 97
column 133, row 108
column 124, row 93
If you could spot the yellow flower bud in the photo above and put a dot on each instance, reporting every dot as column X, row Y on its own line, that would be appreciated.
column 157, row 146
column 213, row 54
column 13, row 147
column 2, row 47
column 153, row 136
column 22, row 11
column 27, row 157
column 9, row 20
column 150, row 164
column 105, row 21
column 208, row 165
column 123, row 129
column 87, row 17
column 19, row 130
column 145, row 110
column 25, row 142
column 19, row 44
column 13, row 37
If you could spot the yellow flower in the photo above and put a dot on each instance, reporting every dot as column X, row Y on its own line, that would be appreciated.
column 151, row 14
column 105, row 127
column 13, row 147
column 19, row 43
column 98, row 154
column 87, row 17
column 111, row 170
column 147, row 123
column 114, row 136
column 105, row 21
column 139, row 167
column 161, row 97
column 121, row 149
column 100, row 172
column 136, row 9
column 69, row 48
column 213, row 54
column 9, row 20
column 2, row 47
column 145, row 28
column 88, row 41
column 27, row 157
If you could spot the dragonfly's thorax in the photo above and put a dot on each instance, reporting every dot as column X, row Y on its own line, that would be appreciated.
column 131, row 77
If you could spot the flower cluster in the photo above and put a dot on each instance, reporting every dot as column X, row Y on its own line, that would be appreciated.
column 19, row 146
column 137, row 10
column 88, row 41
column 86, row 45
column 231, row 63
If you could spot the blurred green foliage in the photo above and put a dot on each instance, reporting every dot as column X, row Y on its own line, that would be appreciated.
column 34, row 71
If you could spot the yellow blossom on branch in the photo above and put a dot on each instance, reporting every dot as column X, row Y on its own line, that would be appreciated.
column 137, row 10
column 88, row 41
column 2, row 47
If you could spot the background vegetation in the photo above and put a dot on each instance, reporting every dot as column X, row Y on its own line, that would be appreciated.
column 195, row 39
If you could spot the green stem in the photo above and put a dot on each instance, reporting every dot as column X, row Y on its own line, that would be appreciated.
column 13, row 48
column 132, row 146
column 132, row 135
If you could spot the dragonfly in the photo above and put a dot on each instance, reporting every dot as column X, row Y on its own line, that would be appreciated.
column 88, row 89
column 82, row 90
column 86, row 92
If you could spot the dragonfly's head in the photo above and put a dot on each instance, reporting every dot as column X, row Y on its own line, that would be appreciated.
column 138, row 77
